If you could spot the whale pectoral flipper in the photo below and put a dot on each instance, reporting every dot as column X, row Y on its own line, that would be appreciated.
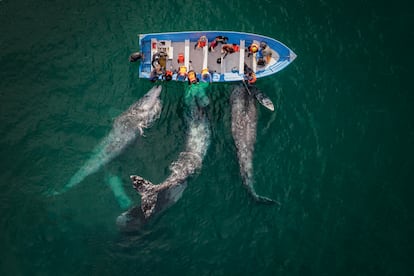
column 148, row 192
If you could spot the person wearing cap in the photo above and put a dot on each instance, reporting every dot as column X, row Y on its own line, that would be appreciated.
column 252, row 49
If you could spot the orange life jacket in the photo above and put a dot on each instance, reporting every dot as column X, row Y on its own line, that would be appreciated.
column 204, row 72
column 231, row 48
column 192, row 78
column 182, row 71
column 202, row 41
column 168, row 75
column 252, row 78
column 180, row 58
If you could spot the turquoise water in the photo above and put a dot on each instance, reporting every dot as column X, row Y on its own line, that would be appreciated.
column 337, row 152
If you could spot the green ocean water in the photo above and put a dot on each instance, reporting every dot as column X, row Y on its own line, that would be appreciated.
column 337, row 152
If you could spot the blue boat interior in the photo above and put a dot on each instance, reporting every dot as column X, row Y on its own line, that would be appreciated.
column 175, row 54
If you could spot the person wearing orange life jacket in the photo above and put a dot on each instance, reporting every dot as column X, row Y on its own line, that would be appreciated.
column 167, row 75
column 249, row 75
column 229, row 49
column 219, row 39
column 205, row 75
column 182, row 73
column 192, row 77
column 202, row 42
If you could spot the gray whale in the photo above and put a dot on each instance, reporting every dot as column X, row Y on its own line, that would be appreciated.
column 243, row 129
column 126, row 128
column 157, row 198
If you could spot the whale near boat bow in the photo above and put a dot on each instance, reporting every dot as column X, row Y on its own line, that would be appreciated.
column 216, row 56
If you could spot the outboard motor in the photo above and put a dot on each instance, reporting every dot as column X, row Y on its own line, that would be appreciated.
column 135, row 57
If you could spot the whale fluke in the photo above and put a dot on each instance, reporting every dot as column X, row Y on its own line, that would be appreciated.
column 263, row 199
column 248, row 183
column 148, row 192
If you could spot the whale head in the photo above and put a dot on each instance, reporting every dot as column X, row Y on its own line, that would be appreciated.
column 132, row 220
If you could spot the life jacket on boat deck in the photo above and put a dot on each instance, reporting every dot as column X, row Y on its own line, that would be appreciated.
column 180, row 58
column 192, row 78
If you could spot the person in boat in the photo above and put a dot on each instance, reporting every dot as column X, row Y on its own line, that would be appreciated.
column 182, row 73
column 260, row 60
column 219, row 39
column 229, row 49
column 192, row 77
column 266, row 54
column 155, row 73
column 252, row 49
column 160, row 58
column 249, row 75
column 201, row 42
column 159, row 62
column 205, row 75
column 167, row 75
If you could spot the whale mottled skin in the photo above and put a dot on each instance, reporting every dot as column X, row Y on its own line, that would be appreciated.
column 140, row 115
column 157, row 198
column 243, row 128
column 134, row 219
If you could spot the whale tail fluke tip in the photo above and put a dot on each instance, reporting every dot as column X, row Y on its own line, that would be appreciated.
column 266, row 200
column 260, row 199
column 148, row 193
